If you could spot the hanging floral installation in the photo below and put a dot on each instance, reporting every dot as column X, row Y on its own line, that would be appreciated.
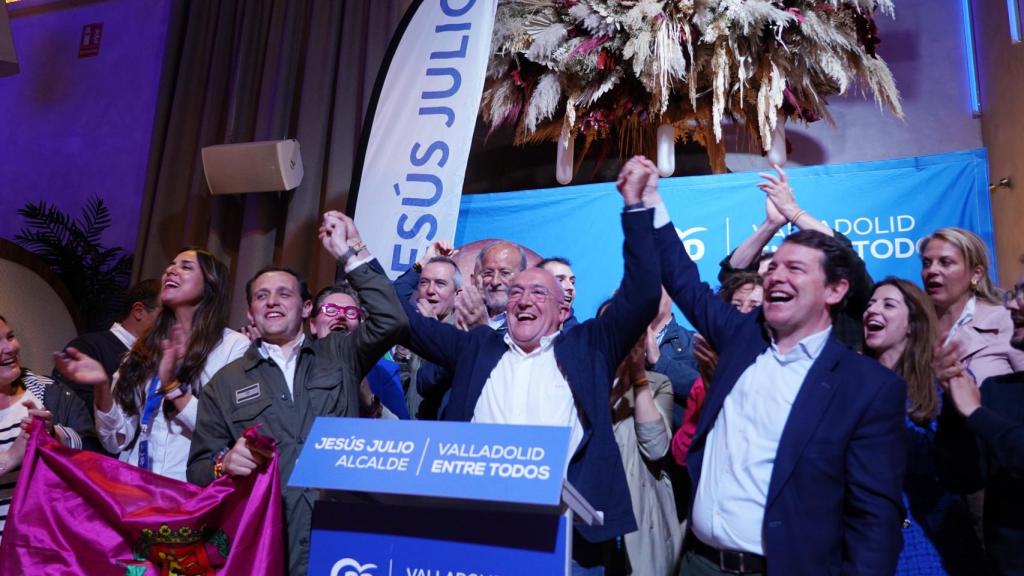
column 606, row 70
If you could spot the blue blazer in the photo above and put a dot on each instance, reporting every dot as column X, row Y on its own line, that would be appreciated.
column 833, row 503
column 587, row 354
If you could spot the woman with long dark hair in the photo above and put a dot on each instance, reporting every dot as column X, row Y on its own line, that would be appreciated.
column 150, row 411
column 900, row 329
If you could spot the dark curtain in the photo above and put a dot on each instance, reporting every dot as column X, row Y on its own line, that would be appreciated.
column 249, row 70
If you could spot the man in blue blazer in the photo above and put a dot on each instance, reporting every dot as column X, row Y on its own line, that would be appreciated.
column 537, row 374
column 798, row 457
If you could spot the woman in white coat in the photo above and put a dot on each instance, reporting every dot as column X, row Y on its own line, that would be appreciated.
column 149, row 413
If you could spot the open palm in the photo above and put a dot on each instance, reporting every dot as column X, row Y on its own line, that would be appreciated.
column 79, row 368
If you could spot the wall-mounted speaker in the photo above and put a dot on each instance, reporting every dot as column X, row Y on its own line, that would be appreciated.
column 271, row 166
column 8, row 59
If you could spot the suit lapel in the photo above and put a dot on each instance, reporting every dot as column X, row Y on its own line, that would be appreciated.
column 971, row 341
column 810, row 405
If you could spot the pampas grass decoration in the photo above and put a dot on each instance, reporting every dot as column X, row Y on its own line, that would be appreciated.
column 606, row 68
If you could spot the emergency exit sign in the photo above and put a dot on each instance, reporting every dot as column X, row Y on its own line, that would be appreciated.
column 89, row 45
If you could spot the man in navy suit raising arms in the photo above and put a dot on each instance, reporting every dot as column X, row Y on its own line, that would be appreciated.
column 798, row 457
column 538, row 374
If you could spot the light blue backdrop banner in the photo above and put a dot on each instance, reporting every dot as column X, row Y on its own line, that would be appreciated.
column 884, row 208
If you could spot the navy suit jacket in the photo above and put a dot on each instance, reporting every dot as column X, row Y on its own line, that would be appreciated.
column 833, row 504
column 987, row 451
column 587, row 355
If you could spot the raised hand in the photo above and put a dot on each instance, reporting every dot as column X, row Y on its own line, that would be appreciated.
column 333, row 234
column 650, row 196
column 772, row 214
column 439, row 248
column 79, row 368
column 637, row 175
column 779, row 196
column 351, row 231
column 470, row 310
column 172, row 355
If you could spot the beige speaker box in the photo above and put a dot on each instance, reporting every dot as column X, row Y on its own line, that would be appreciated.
column 271, row 166
column 8, row 58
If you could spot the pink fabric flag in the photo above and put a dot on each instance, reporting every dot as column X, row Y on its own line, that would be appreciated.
column 77, row 512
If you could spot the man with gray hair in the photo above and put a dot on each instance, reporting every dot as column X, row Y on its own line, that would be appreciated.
column 433, row 284
column 495, row 266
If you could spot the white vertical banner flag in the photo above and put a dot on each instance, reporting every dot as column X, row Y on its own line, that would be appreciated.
column 420, row 129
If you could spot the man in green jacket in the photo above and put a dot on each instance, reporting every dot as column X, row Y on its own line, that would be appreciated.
column 285, row 380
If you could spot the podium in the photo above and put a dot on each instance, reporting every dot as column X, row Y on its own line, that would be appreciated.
column 420, row 498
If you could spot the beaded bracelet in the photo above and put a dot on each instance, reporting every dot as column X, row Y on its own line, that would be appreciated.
column 218, row 463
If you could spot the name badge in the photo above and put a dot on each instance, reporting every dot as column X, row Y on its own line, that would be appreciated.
column 248, row 393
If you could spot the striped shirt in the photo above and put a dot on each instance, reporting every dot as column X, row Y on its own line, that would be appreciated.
column 10, row 428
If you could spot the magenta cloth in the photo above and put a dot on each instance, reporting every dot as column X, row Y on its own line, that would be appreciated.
column 77, row 512
column 684, row 435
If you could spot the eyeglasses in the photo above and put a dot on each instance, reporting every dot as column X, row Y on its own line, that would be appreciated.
column 488, row 274
column 331, row 310
column 1016, row 293
column 538, row 294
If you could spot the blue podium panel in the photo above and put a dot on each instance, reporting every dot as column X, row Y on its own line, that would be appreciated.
column 374, row 540
column 514, row 465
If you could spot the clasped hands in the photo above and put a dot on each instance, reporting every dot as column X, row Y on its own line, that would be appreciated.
column 638, row 182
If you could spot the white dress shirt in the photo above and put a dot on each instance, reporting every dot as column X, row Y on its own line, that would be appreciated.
column 169, row 442
column 530, row 389
column 122, row 334
column 497, row 322
column 287, row 364
column 739, row 454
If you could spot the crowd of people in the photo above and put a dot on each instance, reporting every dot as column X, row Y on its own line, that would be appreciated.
column 813, row 422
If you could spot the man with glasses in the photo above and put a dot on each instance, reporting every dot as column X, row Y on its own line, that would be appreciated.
column 495, row 267
column 985, row 428
column 536, row 374
column 285, row 380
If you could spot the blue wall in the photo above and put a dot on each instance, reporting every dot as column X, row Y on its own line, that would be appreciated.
column 73, row 127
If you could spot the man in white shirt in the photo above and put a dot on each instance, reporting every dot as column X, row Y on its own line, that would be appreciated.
column 537, row 374
column 798, row 456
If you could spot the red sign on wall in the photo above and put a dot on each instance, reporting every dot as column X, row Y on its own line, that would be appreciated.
column 92, row 34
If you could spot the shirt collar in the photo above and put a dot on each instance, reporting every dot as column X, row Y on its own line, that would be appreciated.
column 968, row 314
column 664, row 329
column 809, row 348
column 546, row 343
column 266, row 347
column 497, row 321
column 122, row 334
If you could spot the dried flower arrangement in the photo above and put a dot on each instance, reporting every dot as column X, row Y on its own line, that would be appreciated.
column 604, row 69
